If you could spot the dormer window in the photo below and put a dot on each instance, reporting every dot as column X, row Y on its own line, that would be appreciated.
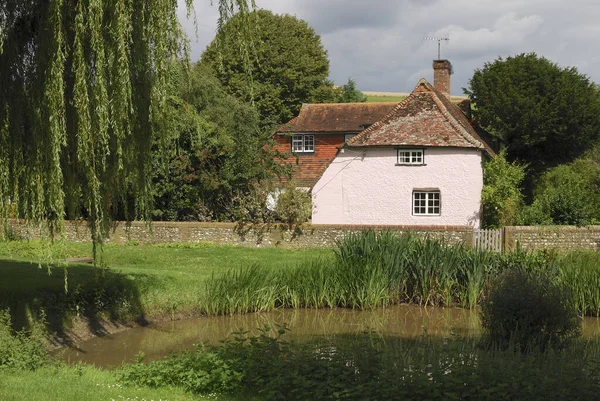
column 303, row 143
column 410, row 157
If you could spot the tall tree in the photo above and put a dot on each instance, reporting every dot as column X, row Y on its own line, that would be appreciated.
column 288, row 65
column 547, row 114
column 219, row 149
column 82, row 89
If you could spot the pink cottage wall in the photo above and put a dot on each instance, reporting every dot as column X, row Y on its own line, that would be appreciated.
column 366, row 187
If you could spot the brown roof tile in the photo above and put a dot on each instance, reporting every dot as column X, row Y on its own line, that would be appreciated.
column 337, row 117
column 425, row 118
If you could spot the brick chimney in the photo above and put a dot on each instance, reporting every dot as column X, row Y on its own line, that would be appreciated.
column 442, row 69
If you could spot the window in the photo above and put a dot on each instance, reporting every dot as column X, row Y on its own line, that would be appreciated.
column 303, row 143
column 426, row 203
column 410, row 156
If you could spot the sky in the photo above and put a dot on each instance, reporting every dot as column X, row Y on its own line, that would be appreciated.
column 381, row 43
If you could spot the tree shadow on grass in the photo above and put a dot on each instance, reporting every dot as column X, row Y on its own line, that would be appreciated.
column 97, row 295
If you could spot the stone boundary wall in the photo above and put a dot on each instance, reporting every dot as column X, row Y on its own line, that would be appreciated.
column 552, row 237
column 278, row 235
column 317, row 235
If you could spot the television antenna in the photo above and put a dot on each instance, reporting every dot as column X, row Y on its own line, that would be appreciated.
column 439, row 41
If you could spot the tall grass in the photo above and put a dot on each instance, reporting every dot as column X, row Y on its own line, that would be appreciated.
column 371, row 269
column 580, row 273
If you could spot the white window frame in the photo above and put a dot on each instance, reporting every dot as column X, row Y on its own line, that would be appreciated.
column 426, row 202
column 410, row 157
column 303, row 143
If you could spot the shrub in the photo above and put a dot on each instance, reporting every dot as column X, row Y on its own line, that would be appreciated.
column 23, row 349
column 198, row 372
column 501, row 197
column 294, row 205
column 251, row 207
column 566, row 194
column 527, row 311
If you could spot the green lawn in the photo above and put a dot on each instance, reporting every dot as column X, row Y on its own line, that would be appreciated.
column 77, row 383
column 147, row 281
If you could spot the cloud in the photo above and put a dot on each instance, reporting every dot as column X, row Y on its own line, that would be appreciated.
column 380, row 43
column 508, row 32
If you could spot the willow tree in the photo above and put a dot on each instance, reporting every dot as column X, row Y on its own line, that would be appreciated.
column 82, row 87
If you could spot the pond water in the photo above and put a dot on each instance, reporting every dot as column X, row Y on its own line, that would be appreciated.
column 404, row 321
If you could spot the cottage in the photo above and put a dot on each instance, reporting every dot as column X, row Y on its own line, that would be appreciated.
column 420, row 164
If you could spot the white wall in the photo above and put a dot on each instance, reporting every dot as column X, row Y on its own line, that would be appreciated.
column 366, row 187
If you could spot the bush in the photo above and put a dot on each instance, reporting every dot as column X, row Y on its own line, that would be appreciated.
column 527, row 311
column 23, row 349
column 198, row 372
column 294, row 205
column 566, row 194
column 501, row 197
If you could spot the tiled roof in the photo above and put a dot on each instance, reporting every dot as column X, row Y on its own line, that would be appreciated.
column 337, row 117
column 425, row 118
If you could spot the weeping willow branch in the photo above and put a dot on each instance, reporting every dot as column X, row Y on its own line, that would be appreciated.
column 82, row 92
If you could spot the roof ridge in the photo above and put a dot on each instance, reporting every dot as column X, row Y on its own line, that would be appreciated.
column 470, row 137
column 453, row 121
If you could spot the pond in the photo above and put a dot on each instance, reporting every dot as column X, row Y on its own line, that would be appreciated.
column 404, row 321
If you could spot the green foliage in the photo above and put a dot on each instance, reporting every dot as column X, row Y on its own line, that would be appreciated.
column 25, row 349
column 251, row 207
column 350, row 94
column 547, row 114
column 82, row 89
column 528, row 311
column 288, row 65
column 294, row 205
column 218, row 146
column 566, row 194
column 199, row 372
column 501, row 197
column 579, row 273
column 365, row 367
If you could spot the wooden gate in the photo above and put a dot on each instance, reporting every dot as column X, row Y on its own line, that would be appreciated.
column 491, row 240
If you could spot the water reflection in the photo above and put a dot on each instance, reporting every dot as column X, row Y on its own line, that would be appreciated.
column 399, row 321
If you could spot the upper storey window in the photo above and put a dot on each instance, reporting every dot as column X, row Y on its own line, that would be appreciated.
column 410, row 156
column 303, row 143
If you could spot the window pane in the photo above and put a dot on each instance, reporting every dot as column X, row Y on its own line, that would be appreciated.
column 309, row 143
column 410, row 156
column 426, row 203
column 297, row 143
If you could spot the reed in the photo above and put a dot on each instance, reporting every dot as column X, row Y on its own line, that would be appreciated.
column 579, row 271
column 373, row 269
column 251, row 288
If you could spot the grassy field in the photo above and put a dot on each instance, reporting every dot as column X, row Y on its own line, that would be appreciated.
column 82, row 382
column 138, row 281
column 382, row 98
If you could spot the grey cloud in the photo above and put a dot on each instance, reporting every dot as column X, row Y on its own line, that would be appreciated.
column 335, row 15
column 380, row 43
